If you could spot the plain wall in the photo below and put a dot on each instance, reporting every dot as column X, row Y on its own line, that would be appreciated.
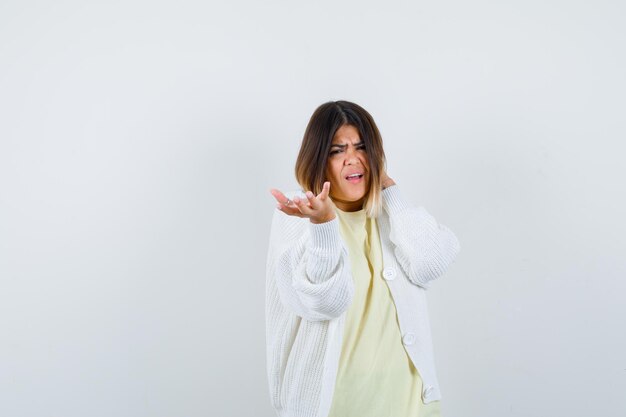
column 139, row 140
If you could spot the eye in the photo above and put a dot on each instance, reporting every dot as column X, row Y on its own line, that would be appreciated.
column 334, row 152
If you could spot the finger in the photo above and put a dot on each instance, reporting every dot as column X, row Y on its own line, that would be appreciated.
column 325, row 190
column 312, row 200
column 289, row 207
column 280, row 197
column 289, row 211
column 300, row 198
column 285, row 201
column 303, row 206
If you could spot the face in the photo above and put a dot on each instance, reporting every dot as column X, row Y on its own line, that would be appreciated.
column 348, row 157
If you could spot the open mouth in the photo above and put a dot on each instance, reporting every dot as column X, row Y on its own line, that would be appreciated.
column 354, row 177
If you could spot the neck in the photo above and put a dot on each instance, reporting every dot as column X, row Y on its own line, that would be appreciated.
column 348, row 205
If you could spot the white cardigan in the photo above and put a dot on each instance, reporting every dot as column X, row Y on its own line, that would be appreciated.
column 309, row 287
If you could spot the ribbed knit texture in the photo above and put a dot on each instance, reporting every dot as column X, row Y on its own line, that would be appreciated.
column 309, row 287
column 425, row 254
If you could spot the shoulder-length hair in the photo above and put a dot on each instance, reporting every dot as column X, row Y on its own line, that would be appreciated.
column 315, row 149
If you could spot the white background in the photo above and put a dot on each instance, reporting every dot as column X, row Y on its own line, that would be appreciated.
column 138, row 142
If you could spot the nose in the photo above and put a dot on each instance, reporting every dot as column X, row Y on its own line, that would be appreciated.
column 351, row 155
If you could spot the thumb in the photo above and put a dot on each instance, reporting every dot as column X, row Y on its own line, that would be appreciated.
column 325, row 190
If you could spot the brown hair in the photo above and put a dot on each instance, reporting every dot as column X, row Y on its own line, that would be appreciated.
column 313, row 156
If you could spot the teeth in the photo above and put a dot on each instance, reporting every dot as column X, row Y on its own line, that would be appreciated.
column 354, row 176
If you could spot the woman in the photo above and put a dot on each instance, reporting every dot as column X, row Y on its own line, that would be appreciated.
column 347, row 268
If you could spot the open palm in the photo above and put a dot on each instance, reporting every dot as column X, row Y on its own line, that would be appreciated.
column 318, row 209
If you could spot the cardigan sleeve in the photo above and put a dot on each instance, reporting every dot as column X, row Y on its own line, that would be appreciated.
column 424, row 248
column 310, row 266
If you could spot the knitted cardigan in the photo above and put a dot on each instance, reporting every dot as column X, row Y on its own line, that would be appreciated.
column 309, row 287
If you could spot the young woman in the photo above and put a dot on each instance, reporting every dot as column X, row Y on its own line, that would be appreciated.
column 348, row 264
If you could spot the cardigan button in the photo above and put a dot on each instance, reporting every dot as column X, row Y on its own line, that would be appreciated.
column 389, row 273
column 408, row 338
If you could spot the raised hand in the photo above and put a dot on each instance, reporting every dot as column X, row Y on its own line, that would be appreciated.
column 385, row 181
column 319, row 209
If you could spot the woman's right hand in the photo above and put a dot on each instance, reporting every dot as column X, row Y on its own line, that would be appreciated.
column 319, row 209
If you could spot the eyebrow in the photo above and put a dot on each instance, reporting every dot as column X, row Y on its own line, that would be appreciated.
column 344, row 146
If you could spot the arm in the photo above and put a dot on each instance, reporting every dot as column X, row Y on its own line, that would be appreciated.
column 310, row 266
column 424, row 248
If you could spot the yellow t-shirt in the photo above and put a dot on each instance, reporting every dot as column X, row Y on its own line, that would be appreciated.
column 375, row 377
